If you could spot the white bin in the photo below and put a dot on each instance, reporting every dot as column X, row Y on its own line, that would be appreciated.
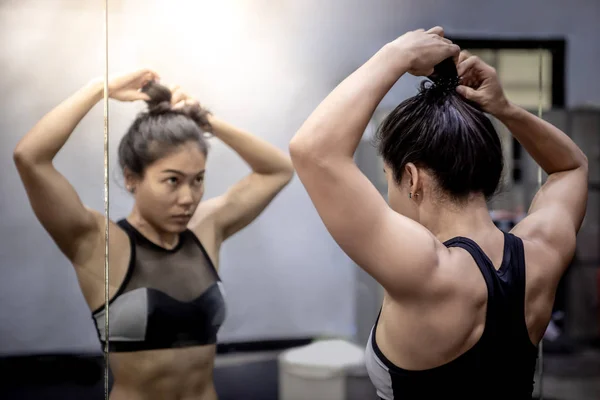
column 324, row 370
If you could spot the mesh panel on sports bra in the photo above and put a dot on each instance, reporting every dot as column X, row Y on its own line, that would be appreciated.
column 184, row 272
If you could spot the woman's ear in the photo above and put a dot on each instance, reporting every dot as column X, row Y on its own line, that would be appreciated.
column 131, row 180
column 413, row 179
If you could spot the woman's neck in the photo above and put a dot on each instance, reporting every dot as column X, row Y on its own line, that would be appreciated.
column 167, row 240
column 470, row 218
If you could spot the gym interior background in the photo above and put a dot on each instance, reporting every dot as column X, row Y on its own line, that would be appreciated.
column 264, row 65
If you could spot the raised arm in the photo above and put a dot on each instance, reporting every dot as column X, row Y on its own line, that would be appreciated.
column 558, row 208
column 398, row 252
column 54, row 201
column 244, row 201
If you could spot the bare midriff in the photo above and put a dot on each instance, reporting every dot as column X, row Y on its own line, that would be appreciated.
column 169, row 374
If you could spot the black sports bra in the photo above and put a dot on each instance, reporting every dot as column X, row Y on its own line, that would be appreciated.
column 169, row 298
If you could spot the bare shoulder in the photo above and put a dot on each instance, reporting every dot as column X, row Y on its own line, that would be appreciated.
column 545, row 259
column 90, row 270
column 95, row 245
column 544, row 267
column 458, row 276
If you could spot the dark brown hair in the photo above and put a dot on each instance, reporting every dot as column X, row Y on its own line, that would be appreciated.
column 157, row 131
column 449, row 136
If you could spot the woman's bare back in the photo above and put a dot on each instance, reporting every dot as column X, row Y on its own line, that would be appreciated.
column 435, row 329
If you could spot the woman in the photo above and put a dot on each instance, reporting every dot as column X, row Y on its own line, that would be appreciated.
column 465, row 305
column 165, row 293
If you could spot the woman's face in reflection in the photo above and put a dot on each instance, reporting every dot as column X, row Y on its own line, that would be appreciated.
column 171, row 189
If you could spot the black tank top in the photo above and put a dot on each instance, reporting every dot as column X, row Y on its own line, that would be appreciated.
column 502, row 363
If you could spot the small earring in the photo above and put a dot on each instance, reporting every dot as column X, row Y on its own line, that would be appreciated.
column 410, row 195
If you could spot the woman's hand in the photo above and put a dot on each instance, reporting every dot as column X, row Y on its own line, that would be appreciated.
column 181, row 99
column 480, row 84
column 422, row 50
column 126, row 87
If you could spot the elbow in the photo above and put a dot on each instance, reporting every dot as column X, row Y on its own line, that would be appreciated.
column 295, row 148
column 288, row 172
column 576, row 163
column 582, row 164
column 27, row 161
column 306, row 141
column 298, row 155
column 282, row 170
column 584, row 161
column 299, row 151
column 25, row 155
column 17, row 156
column 21, row 157
column 584, row 168
column 283, row 167
column 309, row 155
